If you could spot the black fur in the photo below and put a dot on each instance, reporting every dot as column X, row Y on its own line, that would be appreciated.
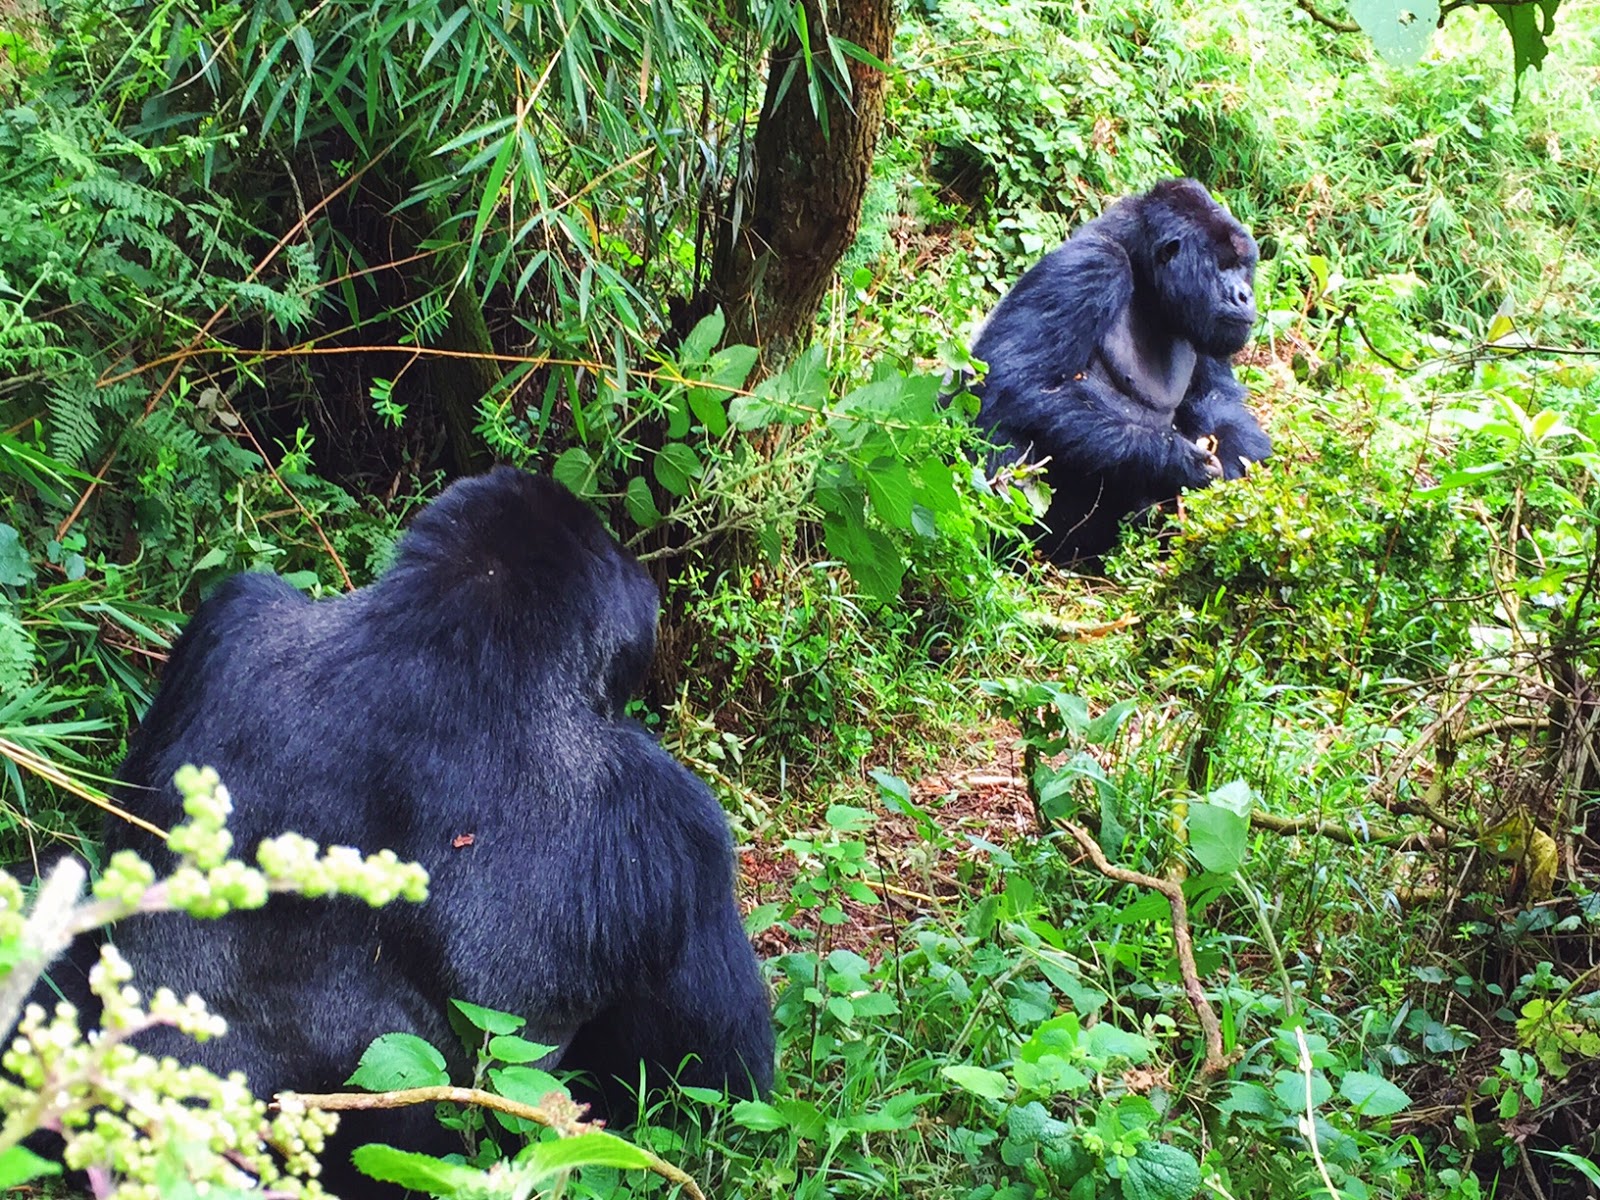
column 476, row 689
column 1110, row 357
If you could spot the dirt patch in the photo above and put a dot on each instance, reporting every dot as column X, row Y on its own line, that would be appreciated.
column 975, row 797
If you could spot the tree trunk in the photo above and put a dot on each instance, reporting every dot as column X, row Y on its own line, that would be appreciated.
column 772, row 271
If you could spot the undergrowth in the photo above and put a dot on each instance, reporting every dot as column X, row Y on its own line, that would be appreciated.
column 1345, row 705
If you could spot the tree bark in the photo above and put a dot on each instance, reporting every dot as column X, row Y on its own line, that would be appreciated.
column 771, row 272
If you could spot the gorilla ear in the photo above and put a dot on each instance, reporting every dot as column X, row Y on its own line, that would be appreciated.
column 1167, row 251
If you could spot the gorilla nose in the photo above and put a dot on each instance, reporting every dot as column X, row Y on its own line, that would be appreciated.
column 1244, row 298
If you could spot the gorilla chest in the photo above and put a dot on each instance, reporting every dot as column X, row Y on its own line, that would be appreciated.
column 1147, row 366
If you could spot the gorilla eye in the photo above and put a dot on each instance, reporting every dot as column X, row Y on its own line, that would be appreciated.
column 1167, row 251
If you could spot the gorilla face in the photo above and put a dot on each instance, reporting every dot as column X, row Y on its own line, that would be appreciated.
column 1203, row 266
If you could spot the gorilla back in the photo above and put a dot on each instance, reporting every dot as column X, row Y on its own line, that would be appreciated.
column 466, row 711
column 1110, row 358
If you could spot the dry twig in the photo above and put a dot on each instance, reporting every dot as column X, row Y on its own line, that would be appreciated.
column 405, row 1097
column 1216, row 1062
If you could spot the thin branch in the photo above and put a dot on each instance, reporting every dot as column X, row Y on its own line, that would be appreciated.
column 1502, row 725
column 1322, row 18
column 1061, row 627
column 1216, row 1062
column 405, row 1097
column 1308, row 1123
column 1295, row 826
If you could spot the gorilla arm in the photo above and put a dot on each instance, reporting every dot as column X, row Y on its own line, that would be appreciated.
column 1215, row 407
column 1049, row 326
column 686, row 996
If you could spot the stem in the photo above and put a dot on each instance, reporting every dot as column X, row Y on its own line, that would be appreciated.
column 1216, row 1062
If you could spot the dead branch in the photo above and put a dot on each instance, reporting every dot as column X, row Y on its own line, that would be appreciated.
column 1393, row 839
column 563, row 1115
column 1216, row 1062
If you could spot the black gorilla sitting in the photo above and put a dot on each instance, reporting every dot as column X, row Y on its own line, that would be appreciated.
column 1110, row 357
column 465, row 710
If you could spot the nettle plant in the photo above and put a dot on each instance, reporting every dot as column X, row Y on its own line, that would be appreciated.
column 884, row 469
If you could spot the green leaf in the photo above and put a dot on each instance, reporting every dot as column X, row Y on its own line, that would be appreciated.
column 702, row 339
column 1073, row 711
column 676, row 464
column 641, row 504
column 399, row 1060
column 417, row 1172
column 728, row 370
column 1050, row 1074
column 518, row 1050
column 19, row 1165
column 1289, row 1089
column 991, row 1085
column 1528, row 32
column 936, row 488
column 575, row 471
column 873, row 560
column 791, row 397
column 526, row 1085
column 1158, row 1171
column 1105, row 727
column 847, row 818
column 1237, row 797
column 1218, row 837
column 709, row 407
column 1106, row 1041
column 1250, row 1099
column 756, row 1114
column 1372, row 1095
column 488, row 1019
column 597, row 1149
column 1399, row 29
column 889, row 487
column 15, row 569
column 899, row 1112
column 1066, row 978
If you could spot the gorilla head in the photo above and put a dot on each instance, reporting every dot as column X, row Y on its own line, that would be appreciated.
column 1201, row 264
column 509, row 544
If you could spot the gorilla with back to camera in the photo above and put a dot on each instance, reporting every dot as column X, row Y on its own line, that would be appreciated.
column 1110, row 357
column 466, row 710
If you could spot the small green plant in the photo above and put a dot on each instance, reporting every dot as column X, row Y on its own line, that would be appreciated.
column 540, row 1109
column 1052, row 721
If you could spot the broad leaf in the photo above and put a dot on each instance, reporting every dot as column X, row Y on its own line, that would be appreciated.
column 417, row 1172
column 574, row 470
column 641, row 504
column 677, row 464
column 487, row 1019
column 1161, row 1172
column 1218, row 837
column 1373, row 1095
column 597, row 1149
column 991, row 1085
column 20, row 1165
column 518, row 1050
column 1530, row 25
column 1399, row 29
column 399, row 1060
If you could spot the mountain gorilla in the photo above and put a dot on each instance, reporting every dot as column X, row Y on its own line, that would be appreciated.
column 1110, row 357
column 466, row 711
